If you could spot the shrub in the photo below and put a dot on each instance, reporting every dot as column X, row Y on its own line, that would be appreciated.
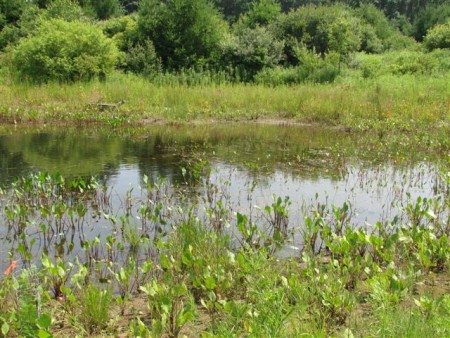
column 185, row 33
column 122, row 30
column 312, row 69
column 63, row 9
column 11, row 33
column 321, row 29
column 438, row 37
column 430, row 16
column 64, row 51
column 413, row 63
column 142, row 58
column 261, row 13
column 250, row 51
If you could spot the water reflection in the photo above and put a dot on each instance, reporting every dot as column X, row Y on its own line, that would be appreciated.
column 247, row 163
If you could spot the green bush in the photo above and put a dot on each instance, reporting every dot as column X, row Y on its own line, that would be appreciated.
column 65, row 10
column 64, row 51
column 438, row 37
column 123, row 31
column 185, row 33
column 142, row 58
column 12, row 32
column 261, row 13
column 413, row 63
column 401, row 62
column 312, row 69
column 321, row 29
column 250, row 51
column 430, row 16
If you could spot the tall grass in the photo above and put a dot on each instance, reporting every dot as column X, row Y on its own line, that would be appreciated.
column 406, row 100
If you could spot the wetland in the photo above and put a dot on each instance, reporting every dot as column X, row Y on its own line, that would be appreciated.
column 141, row 215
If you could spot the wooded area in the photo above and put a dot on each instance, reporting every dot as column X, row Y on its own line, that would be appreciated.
column 266, row 41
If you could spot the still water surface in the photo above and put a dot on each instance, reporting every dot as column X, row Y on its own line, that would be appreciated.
column 252, row 163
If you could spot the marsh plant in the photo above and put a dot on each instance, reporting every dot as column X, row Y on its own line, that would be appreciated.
column 95, row 307
column 167, row 258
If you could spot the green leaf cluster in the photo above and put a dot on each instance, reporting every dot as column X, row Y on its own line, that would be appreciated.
column 64, row 51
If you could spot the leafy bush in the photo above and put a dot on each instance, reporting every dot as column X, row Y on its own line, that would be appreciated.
column 142, row 58
column 250, row 51
column 11, row 33
column 65, row 10
column 105, row 9
column 413, row 63
column 430, row 16
column 401, row 62
column 184, row 32
column 64, row 51
column 438, row 37
column 312, row 68
column 321, row 29
column 261, row 13
column 11, row 11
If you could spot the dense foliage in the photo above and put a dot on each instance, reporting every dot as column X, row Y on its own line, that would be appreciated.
column 64, row 51
column 238, row 38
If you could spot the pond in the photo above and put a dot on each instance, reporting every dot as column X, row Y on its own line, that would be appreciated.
column 269, row 173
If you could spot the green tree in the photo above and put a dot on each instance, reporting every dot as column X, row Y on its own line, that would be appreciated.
column 130, row 6
column 261, row 12
column 430, row 16
column 67, row 10
column 142, row 58
column 232, row 9
column 321, row 29
column 184, row 32
column 28, row 22
column 11, row 11
column 105, row 9
column 64, row 51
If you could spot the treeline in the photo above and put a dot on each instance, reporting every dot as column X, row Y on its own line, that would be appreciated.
column 269, row 41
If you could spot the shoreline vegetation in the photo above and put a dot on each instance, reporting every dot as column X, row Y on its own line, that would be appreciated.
column 403, row 103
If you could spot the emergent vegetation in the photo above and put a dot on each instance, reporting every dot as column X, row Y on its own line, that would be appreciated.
column 162, row 266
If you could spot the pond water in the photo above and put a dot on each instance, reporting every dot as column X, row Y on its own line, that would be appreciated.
column 248, row 166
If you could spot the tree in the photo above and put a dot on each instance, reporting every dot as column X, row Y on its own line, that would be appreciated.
column 430, row 16
column 105, row 9
column 67, row 10
column 64, row 51
column 261, row 12
column 11, row 11
column 130, row 6
column 321, row 29
column 184, row 32
column 13, row 31
column 232, row 9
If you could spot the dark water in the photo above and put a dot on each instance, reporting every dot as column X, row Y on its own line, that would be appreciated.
column 374, row 173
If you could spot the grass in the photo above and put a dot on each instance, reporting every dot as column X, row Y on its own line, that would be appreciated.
column 402, row 102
